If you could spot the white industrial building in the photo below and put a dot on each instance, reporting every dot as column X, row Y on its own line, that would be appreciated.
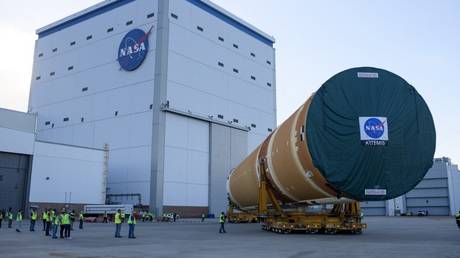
column 43, row 174
column 438, row 194
column 179, row 90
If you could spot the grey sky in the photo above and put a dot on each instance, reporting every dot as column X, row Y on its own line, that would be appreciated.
column 419, row 40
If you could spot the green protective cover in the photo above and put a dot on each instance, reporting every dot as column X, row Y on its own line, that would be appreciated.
column 336, row 147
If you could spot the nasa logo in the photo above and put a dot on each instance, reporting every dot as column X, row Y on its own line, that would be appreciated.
column 374, row 128
column 133, row 49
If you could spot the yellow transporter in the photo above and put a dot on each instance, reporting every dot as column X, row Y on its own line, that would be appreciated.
column 365, row 135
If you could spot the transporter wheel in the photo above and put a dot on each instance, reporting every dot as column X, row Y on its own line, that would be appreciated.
column 314, row 231
column 330, row 231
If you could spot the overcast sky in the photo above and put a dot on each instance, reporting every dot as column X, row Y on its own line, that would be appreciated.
column 419, row 40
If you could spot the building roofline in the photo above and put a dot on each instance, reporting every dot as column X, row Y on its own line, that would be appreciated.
column 108, row 5
column 80, row 16
column 237, row 19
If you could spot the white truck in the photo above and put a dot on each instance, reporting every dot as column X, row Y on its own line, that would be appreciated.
column 99, row 209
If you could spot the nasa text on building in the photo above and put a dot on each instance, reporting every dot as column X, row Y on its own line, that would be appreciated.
column 180, row 90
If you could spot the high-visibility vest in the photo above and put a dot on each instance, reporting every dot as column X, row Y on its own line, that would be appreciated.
column 19, row 217
column 65, row 219
column 132, row 219
column 10, row 215
column 45, row 216
column 34, row 215
column 222, row 218
column 81, row 216
column 55, row 220
column 117, row 218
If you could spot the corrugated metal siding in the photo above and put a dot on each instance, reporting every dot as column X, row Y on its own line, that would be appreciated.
column 14, row 171
column 376, row 208
column 432, row 193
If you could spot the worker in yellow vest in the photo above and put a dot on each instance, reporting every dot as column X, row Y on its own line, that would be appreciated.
column 65, row 220
column 118, row 224
column 44, row 215
column 55, row 220
column 48, row 222
column 18, row 221
column 82, row 217
column 61, row 226
column 131, row 225
column 222, row 222
column 33, row 219
column 10, row 217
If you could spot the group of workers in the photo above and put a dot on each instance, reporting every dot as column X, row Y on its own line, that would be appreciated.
column 64, row 220
column 52, row 220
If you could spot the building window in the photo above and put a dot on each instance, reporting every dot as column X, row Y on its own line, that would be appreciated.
column 55, row 50
column 199, row 28
column 70, row 68
column 253, row 125
column 89, row 37
column 269, row 84
column 52, row 73
column 150, row 15
column 221, row 39
column 47, row 123
column 253, row 55
column 52, row 125
column 82, row 119
column 220, row 116
column 40, row 55
column 66, row 119
column 38, row 78
column 84, row 89
column 268, row 62
column 253, row 77
column 151, row 106
column 235, row 70
column 270, row 130
column 174, row 16
column 73, row 43
column 129, row 23
column 220, row 64
column 235, row 46
column 235, row 120
column 109, row 30
column 116, row 113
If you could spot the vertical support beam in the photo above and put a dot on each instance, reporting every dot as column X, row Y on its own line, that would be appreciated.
column 159, row 117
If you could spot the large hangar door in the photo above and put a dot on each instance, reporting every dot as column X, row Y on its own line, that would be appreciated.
column 14, row 171
column 376, row 208
column 186, row 166
column 228, row 148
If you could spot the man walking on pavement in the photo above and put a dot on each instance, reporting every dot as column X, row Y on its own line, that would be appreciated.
column 33, row 219
column 118, row 224
column 10, row 217
column 82, row 217
column 222, row 222
column 131, row 224
column 18, row 221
